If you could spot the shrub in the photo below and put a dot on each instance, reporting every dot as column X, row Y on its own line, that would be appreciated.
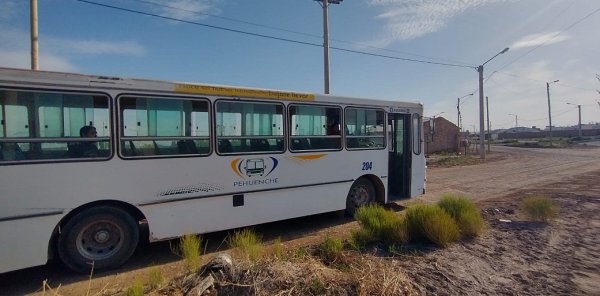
column 331, row 248
column 248, row 242
column 430, row 222
column 539, row 208
column 189, row 249
column 464, row 213
column 381, row 224
column 137, row 289
column 359, row 239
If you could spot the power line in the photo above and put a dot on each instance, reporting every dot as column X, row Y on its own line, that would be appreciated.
column 268, row 36
column 295, row 32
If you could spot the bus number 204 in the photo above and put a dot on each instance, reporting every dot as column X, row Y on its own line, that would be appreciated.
column 367, row 166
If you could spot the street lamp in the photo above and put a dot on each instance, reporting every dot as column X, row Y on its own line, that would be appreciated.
column 579, row 107
column 432, row 124
column 549, row 113
column 481, row 112
column 516, row 121
column 325, row 6
column 459, row 122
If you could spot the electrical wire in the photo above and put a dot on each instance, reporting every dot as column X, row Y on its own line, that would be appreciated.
column 294, row 32
column 269, row 36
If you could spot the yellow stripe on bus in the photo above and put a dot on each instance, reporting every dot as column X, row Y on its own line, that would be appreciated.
column 243, row 92
column 309, row 157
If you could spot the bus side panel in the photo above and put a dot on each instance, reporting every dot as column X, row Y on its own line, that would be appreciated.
column 417, row 175
column 218, row 213
column 24, row 242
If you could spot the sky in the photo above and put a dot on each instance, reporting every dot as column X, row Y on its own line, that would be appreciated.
column 223, row 42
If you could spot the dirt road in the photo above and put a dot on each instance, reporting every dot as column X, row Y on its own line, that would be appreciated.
column 511, row 258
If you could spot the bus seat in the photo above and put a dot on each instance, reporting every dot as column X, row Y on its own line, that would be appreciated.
column 72, row 149
column 259, row 145
column 225, row 146
column 187, row 147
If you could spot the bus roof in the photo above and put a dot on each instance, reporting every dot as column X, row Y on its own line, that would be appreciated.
column 49, row 78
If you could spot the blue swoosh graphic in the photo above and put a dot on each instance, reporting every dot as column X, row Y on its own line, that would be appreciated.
column 275, row 163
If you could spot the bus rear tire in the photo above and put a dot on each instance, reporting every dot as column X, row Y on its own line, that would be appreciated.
column 361, row 194
column 100, row 238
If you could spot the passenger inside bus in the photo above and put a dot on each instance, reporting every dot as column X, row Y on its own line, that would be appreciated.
column 11, row 151
column 87, row 149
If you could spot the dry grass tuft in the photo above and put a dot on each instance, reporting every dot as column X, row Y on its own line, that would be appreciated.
column 539, row 208
column 248, row 242
column 431, row 223
column 312, row 277
column 379, row 224
column 137, row 289
column 189, row 249
column 465, row 213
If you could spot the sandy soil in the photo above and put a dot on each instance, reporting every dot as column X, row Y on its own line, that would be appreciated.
column 519, row 257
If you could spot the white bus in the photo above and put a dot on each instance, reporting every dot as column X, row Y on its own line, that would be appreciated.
column 183, row 158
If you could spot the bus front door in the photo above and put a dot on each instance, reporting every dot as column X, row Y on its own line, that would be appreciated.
column 399, row 156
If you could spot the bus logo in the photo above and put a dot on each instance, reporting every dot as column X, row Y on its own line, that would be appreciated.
column 253, row 167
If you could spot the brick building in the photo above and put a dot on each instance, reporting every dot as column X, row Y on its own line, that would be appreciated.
column 445, row 136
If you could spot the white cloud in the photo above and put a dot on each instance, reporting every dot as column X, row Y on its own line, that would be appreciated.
column 406, row 19
column 55, row 53
column 189, row 10
column 22, row 59
column 95, row 47
column 539, row 39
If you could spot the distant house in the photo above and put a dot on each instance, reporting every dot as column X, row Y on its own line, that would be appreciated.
column 445, row 136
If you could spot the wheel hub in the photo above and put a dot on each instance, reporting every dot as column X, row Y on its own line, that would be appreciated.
column 102, row 236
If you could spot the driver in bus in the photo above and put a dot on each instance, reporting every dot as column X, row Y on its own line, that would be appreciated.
column 88, row 149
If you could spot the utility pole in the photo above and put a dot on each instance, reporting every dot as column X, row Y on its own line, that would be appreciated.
column 549, row 112
column 489, row 136
column 579, row 107
column 458, row 119
column 516, row 121
column 580, row 133
column 481, row 125
column 326, row 40
column 34, row 35
column 458, row 109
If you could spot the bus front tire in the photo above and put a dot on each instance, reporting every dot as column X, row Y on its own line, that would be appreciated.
column 99, row 238
column 361, row 193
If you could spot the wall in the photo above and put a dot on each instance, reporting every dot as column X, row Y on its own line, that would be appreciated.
column 445, row 137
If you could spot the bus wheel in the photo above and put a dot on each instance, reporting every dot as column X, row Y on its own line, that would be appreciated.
column 361, row 193
column 101, row 237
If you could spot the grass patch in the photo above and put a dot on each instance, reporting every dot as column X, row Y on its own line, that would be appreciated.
column 465, row 214
column 331, row 249
column 137, row 289
column 431, row 223
column 189, row 249
column 155, row 278
column 378, row 224
column 278, row 249
column 539, row 208
column 456, row 160
column 248, row 242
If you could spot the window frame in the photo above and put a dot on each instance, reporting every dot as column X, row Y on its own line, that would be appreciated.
column 119, row 131
column 291, row 136
column 110, row 138
column 216, row 137
column 417, row 137
column 385, row 135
